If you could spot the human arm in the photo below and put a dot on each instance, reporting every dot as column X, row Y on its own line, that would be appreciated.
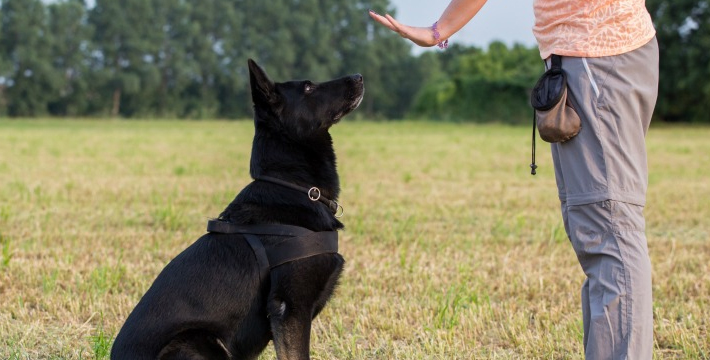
column 457, row 14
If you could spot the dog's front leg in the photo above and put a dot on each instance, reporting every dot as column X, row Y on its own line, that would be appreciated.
column 291, row 328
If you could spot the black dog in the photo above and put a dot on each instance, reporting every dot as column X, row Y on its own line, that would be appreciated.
column 269, row 264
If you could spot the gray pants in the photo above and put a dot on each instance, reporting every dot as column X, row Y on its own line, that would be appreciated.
column 602, row 178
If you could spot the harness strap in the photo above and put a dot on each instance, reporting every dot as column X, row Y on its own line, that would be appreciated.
column 223, row 227
column 309, row 245
column 300, row 243
column 258, row 248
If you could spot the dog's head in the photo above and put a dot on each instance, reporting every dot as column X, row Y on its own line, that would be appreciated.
column 292, row 119
column 302, row 108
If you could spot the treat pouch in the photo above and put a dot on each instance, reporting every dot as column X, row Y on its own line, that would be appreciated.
column 556, row 119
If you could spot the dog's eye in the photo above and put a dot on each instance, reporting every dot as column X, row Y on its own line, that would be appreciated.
column 308, row 88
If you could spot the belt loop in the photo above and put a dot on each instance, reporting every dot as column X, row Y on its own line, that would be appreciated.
column 556, row 62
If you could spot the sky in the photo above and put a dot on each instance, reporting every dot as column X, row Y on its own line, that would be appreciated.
column 509, row 21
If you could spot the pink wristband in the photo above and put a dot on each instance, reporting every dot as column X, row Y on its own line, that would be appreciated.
column 441, row 44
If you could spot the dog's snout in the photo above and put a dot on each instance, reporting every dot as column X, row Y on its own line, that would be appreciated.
column 357, row 78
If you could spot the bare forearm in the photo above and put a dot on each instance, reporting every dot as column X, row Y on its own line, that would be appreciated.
column 456, row 15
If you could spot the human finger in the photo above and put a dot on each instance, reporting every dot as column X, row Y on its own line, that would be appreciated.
column 396, row 26
column 382, row 20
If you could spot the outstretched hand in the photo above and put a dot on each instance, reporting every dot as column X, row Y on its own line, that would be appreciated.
column 422, row 36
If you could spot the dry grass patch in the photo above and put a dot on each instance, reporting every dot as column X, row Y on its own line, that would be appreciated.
column 453, row 250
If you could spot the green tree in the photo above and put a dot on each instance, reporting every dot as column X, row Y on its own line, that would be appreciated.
column 316, row 39
column 187, row 58
column 5, row 73
column 70, row 49
column 29, row 77
column 392, row 74
column 126, row 41
column 439, row 90
column 492, row 85
column 171, row 29
column 209, row 54
column 233, row 38
column 683, row 31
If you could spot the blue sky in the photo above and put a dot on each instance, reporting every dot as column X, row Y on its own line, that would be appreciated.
column 509, row 21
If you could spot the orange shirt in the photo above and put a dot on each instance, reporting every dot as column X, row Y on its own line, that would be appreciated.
column 591, row 28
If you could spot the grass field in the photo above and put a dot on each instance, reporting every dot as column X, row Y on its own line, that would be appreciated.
column 453, row 250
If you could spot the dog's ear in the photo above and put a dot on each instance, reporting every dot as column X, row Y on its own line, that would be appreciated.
column 262, row 88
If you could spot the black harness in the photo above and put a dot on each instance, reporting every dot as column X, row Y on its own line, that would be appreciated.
column 298, row 243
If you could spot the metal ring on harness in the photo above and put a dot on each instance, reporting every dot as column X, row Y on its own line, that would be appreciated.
column 316, row 191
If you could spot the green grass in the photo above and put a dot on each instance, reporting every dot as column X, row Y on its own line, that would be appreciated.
column 453, row 250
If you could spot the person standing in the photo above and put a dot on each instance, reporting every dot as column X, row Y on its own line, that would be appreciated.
column 610, row 55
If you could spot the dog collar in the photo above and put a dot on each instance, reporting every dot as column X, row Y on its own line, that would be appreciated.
column 313, row 193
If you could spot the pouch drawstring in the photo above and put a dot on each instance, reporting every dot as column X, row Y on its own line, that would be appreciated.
column 533, row 167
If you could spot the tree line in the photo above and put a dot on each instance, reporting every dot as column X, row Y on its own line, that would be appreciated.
column 187, row 59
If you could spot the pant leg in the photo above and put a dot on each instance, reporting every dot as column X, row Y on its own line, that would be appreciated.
column 586, row 310
column 602, row 177
column 609, row 240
